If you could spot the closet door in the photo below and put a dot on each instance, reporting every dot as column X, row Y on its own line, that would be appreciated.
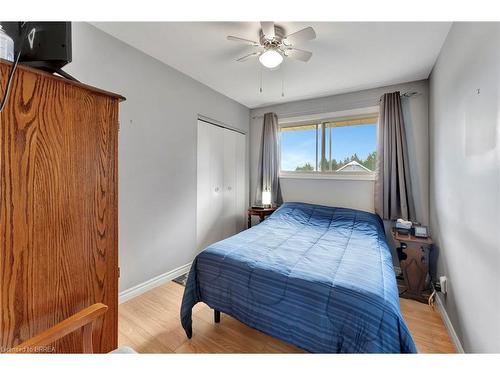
column 216, row 183
column 221, row 199
column 234, row 183
column 230, row 191
column 241, row 193
column 210, row 184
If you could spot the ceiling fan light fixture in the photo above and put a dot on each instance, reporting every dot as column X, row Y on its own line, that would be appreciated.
column 271, row 58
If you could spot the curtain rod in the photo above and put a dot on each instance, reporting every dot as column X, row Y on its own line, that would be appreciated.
column 406, row 94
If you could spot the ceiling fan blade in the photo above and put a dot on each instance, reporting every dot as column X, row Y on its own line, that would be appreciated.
column 246, row 57
column 242, row 40
column 300, row 36
column 298, row 54
column 268, row 29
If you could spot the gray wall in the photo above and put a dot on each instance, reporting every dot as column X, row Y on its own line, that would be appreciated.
column 157, row 149
column 465, row 180
column 352, row 193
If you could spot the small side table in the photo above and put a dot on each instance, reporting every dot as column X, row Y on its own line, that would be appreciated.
column 413, row 254
column 260, row 212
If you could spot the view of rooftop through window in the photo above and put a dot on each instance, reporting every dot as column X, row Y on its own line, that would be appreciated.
column 337, row 146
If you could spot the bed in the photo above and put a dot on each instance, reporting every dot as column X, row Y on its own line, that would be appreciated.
column 318, row 277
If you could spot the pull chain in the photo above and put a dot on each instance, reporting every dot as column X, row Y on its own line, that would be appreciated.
column 282, row 70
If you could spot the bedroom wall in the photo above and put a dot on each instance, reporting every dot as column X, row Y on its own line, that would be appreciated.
column 465, row 180
column 352, row 193
column 157, row 149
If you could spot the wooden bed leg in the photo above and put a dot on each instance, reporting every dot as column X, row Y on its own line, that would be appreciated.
column 216, row 316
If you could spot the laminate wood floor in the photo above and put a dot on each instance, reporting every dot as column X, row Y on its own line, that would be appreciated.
column 150, row 323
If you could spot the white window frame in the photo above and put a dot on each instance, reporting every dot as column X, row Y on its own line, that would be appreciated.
column 321, row 118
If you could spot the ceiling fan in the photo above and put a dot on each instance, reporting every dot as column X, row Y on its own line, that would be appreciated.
column 274, row 45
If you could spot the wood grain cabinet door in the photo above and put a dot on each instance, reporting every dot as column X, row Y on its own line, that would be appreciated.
column 58, row 213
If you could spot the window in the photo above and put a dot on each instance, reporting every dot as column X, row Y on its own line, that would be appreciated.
column 337, row 147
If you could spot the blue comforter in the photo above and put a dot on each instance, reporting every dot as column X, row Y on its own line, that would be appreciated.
column 318, row 277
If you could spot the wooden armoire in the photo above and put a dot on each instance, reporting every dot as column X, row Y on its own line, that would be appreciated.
column 58, row 207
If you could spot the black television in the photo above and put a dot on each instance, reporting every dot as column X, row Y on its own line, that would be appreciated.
column 50, row 49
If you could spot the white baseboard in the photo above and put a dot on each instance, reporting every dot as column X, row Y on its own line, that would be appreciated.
column 447, row 322
column 152, row 283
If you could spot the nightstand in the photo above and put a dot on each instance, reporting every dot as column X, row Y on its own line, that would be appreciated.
column 413, row 254
column 260, row 212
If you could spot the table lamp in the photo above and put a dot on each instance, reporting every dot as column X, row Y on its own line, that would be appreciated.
column 266, row 199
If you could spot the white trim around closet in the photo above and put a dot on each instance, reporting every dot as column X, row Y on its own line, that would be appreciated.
column 221, row 124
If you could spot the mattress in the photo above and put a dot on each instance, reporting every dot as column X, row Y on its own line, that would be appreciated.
column 318, row 277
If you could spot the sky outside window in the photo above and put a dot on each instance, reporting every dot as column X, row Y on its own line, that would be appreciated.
column 298, row 147
column 354, row 142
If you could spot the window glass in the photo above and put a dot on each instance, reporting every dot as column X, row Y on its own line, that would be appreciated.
column 351, row 148
column 343, row 146
column 298, row 148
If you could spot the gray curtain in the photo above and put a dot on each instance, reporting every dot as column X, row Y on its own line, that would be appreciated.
column 269, row 162
column 393, row 195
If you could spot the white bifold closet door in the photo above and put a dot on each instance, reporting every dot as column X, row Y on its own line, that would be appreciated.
column 221, row 185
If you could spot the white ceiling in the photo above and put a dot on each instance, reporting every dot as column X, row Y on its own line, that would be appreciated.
column 346, row 56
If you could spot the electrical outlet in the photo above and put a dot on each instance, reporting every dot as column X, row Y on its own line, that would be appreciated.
column 443, row 281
